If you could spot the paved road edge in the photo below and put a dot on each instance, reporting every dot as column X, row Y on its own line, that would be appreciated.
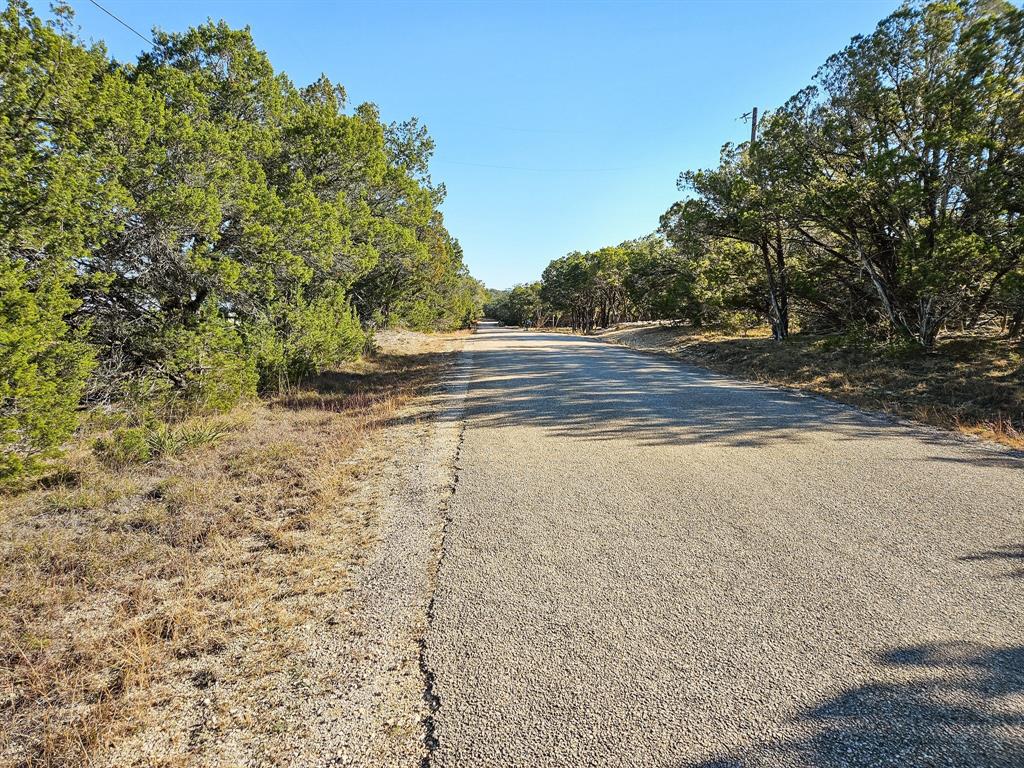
column 450, row 433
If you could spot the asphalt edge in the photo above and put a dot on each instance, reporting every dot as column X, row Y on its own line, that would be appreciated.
column 450, row 419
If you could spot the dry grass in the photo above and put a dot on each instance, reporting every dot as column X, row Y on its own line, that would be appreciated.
column 970, row 384
column 128, row 595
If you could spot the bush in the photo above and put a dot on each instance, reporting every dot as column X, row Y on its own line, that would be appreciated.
column 43, row 367
column 154, row 440
column 421, row 316
column 167, row 440
column 874, row 339
column 210, row 366
column 325, row 333
column 318, row 335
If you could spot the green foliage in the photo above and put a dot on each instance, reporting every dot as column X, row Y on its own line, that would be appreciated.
column 43, row 363
column 902, row 165
column 636, row 280
column 209, row 365
column 128, row 445
column 55, row 162
column 522, row 305
column 420, row 282
column 124, row 446
column 200, row 224
column 169, row 440
column 315, row 336
column 886, row 196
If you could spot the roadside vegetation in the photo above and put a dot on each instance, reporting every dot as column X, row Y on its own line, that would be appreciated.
column 872, row 227
column 159, row 588
column 181, row 233
column 198, row 262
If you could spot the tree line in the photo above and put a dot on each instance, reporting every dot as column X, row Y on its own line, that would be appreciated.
column 885, row 198
column 192, row 228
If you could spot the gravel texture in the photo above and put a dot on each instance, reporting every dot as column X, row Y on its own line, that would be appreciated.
column 380, row 715
column 649, row 564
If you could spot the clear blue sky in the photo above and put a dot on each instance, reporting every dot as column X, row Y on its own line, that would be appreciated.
column 559, row 126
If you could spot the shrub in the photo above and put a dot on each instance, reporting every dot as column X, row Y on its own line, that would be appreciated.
column 210, row 366
column 167, row 440
column 325, row 333
column 320, row 334
column 421, row 316
column 154, row 440
column 43, row 367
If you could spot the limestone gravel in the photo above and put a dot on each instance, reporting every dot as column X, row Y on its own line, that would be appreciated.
column 380, row 716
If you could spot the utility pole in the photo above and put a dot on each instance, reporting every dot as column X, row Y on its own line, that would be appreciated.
column 753, row 126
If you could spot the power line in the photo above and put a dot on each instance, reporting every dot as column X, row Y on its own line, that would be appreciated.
column 123, row 23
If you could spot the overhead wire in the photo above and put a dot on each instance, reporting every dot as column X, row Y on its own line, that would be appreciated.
column 124, row 23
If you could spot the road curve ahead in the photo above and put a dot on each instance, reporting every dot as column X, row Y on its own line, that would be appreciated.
column 647, row 564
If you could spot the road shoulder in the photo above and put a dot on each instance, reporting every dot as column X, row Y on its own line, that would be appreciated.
column 387, row 707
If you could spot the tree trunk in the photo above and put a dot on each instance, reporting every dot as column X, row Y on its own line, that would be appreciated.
column 1016, row 324
column 782, row 297
column 778, row 311
column 929, row 320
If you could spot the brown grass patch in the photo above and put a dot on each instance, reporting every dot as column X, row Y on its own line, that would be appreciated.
column 970, row 384
column 150, row 604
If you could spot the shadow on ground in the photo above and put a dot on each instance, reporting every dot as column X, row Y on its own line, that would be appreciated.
column 582, row 388
column 1012, row 553
column 376, row 379
column 960, row 707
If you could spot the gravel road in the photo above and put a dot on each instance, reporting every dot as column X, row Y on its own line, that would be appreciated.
column 649, row 564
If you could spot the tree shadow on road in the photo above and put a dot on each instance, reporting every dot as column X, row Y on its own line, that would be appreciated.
column 959, row 706
column 581, row 388
column 1014, row 553
column 989, row 456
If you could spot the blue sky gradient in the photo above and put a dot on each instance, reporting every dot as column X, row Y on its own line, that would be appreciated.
column 559, row 126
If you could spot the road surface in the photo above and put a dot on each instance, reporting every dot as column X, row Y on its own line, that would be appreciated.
column 647, row 564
